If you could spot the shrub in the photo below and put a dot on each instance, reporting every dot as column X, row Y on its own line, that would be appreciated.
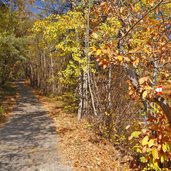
column 153, row 142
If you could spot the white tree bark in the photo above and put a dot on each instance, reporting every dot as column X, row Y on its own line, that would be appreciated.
column 52, row 75
column 88, row 68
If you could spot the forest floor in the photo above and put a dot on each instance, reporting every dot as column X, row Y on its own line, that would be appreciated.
column 40, row 135
column 79, row 144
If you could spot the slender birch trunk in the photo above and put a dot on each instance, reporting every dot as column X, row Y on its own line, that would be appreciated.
column 31, row 74
column 52, row 75
column 110, row 86
column 88, row 68
column 44, row 72
column 81, row 101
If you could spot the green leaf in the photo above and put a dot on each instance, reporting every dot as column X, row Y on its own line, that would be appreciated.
column 145, row 140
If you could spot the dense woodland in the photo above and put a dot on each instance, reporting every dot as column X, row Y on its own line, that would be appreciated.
column 104, row 59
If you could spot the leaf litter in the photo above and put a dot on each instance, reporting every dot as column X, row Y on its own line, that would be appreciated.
column 79, row 145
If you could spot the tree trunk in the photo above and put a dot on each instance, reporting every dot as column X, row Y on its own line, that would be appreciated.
column 52, row 75
column 110, row 86
column 88, row 68
column 81, row 98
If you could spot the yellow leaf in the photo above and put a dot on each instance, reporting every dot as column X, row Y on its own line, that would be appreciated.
column 94, row 35
column 135, row 134
column 90, row 53
column 145, row 140
column 93, row 48
column 98, row 52
column 165, row 147
column 143, row 159
column 120, row 58
column 151, row 143
column 162, row 159
column 155, row 153
column 144, row 95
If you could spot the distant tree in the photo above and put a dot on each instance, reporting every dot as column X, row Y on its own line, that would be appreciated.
column 14, row 24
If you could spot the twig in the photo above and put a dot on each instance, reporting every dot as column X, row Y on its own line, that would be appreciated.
column 140, row 20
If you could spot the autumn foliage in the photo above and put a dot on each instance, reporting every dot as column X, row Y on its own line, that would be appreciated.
column 131, row 35
column 104, row 59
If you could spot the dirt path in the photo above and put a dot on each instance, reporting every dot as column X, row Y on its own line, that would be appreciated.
column 28, row 141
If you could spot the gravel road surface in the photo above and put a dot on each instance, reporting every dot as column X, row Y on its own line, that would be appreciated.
column 28, row 141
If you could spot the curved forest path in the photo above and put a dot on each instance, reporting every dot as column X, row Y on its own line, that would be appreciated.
column 28, row 141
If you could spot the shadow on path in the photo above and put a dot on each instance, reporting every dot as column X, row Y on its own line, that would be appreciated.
column 28, row 141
